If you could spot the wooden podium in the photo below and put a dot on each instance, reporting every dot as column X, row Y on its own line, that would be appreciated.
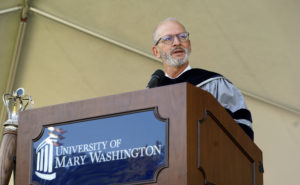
column 205, row 145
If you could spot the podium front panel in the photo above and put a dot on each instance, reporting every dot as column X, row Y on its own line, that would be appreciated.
column 78, row 142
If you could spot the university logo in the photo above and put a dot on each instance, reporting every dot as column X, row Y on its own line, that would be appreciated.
column 44, row 162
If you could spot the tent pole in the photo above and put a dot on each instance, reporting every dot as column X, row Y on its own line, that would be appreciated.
column 94, row 34
column 9, row 10
column 15, row 58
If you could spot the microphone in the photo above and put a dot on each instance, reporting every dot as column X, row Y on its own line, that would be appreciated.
column 157, row 76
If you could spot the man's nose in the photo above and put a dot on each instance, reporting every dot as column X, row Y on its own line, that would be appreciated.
column 176, row 41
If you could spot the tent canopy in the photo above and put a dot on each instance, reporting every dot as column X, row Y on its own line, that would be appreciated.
column 255, row 44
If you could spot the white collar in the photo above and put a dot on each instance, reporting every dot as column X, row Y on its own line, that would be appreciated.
column 186, row 69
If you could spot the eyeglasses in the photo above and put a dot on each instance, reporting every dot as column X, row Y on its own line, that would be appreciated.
column 169, row 39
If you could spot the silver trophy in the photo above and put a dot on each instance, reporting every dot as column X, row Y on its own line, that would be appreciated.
column 15, row 103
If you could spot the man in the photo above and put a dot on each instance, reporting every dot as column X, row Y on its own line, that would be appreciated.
column 173, row 47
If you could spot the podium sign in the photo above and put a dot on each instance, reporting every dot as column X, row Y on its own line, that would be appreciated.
column 121, row 149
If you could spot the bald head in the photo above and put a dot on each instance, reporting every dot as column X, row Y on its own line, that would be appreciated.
column 164, row 27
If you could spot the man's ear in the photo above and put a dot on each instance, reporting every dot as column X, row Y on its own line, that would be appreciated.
column 155, row 52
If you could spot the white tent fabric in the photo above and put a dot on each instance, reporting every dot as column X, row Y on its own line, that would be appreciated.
column 73, row 50
column 253, row 43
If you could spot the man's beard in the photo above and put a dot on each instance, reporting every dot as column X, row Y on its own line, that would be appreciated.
column 172, row 61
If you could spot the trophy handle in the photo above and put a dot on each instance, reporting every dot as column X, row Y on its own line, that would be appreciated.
column 5, row 99
column 29, row 102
